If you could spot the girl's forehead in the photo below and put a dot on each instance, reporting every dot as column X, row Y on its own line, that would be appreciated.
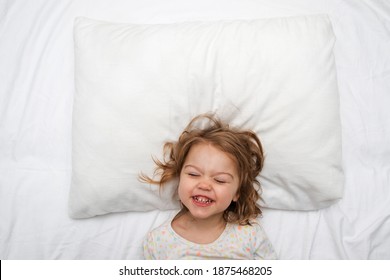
column 206, row 153
column 211, row 147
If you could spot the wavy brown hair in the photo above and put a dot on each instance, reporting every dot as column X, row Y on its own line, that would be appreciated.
column 243, row 145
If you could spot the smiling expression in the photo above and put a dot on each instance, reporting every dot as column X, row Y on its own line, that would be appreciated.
column 209, row 181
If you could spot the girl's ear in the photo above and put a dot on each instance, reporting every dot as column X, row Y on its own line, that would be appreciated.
column 236, row 196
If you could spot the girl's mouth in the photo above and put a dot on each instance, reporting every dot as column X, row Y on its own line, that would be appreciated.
column 202, row 200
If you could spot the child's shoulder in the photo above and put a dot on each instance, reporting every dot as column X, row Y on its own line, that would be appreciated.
column 162, row 229
column 253, row 223
column 254, row 227
column 163, row 226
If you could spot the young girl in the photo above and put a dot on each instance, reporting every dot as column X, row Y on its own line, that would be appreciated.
column 217, row 168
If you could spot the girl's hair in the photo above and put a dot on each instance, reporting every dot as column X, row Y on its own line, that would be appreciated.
column 243, row 145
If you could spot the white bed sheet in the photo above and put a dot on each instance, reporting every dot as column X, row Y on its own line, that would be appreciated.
column 36, row 94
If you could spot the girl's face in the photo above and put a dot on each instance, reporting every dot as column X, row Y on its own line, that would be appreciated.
column 209, row 181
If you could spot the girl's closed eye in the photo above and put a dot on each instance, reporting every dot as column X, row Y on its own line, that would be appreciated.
column 222, row 180
column 192, row 174
column 219, row 181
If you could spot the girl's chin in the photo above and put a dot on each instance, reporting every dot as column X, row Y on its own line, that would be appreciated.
column 202, row 213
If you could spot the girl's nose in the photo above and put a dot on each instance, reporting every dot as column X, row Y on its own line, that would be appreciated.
column 205, row 185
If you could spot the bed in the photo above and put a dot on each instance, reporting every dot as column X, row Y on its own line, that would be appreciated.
column 37, row 162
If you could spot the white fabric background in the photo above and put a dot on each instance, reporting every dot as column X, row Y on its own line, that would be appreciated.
column 36, row 91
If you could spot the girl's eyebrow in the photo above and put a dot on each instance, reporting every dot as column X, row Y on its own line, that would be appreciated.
column 201, row 171
column 193, row 166
column 224, row 173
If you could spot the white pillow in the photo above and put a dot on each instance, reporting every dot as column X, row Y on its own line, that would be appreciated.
column 138, row 86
